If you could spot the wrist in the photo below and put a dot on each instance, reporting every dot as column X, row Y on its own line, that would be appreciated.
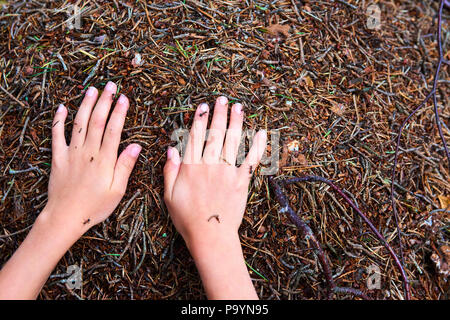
column 221, row 265
column 23, row 276
column 205, row 243
column 52, row 222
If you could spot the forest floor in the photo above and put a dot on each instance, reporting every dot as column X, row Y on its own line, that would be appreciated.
column 334, row 86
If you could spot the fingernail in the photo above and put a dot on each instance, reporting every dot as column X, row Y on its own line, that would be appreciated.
column 169, row 153
column 60, row 108
column 110, row 86
column 203, row 107
column 223, row 100
column 238, row 108
column 90, row 92
column 135, row 149
column 122, row 99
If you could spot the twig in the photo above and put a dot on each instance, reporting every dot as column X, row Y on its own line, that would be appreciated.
column 92, row 73
column 286, row 208
column 31, row 168
column 12, row 97
column 15, row 233
column 306, row 233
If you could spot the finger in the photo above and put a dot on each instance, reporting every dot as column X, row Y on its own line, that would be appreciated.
column 216, row 132
column 256, row 152
column 99, row 116
column 171, row 169
column 81, row 121
column 234, row 132
column 111, row 139
column 196, row 140
column 124, row 166
column 58, row 139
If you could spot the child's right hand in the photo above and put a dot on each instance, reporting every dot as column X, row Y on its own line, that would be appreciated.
column 206, row 194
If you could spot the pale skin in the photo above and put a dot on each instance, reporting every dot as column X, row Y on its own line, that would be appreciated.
column 88, row 179
column 87, row 182
column 206, row 195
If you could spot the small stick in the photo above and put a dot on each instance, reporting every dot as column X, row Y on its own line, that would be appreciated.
column 92, row 73
column 22, row 134
column 15, row 233
column 138, row 192
column 60, row 58
column 31, row 168
column 12, row 97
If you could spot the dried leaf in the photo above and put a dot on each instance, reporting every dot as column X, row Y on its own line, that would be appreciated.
column 277, row 29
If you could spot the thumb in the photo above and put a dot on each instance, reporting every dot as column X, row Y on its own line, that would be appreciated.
column 171, row 170
column 124, row 166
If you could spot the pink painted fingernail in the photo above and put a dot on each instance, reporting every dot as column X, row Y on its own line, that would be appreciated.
column 110, row 86
column 90, row 92
column 223, row 100
column 203, row 107
column 263, row 132
column 122, row 99
column 169, row 153
column 238, row 108
column 135, row 149
column 60, row 108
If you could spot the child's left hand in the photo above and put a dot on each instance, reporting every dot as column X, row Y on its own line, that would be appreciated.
column 87, row 181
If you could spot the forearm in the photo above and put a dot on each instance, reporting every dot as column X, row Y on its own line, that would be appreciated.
column 26, row 272
column 222, row 268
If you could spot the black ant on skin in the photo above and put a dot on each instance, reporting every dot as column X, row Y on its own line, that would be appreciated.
column 216, row 216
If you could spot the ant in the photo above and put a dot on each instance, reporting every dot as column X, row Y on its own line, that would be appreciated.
column 214, row 216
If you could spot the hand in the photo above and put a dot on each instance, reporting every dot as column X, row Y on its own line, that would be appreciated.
column 206, row 195
column 87, row 180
